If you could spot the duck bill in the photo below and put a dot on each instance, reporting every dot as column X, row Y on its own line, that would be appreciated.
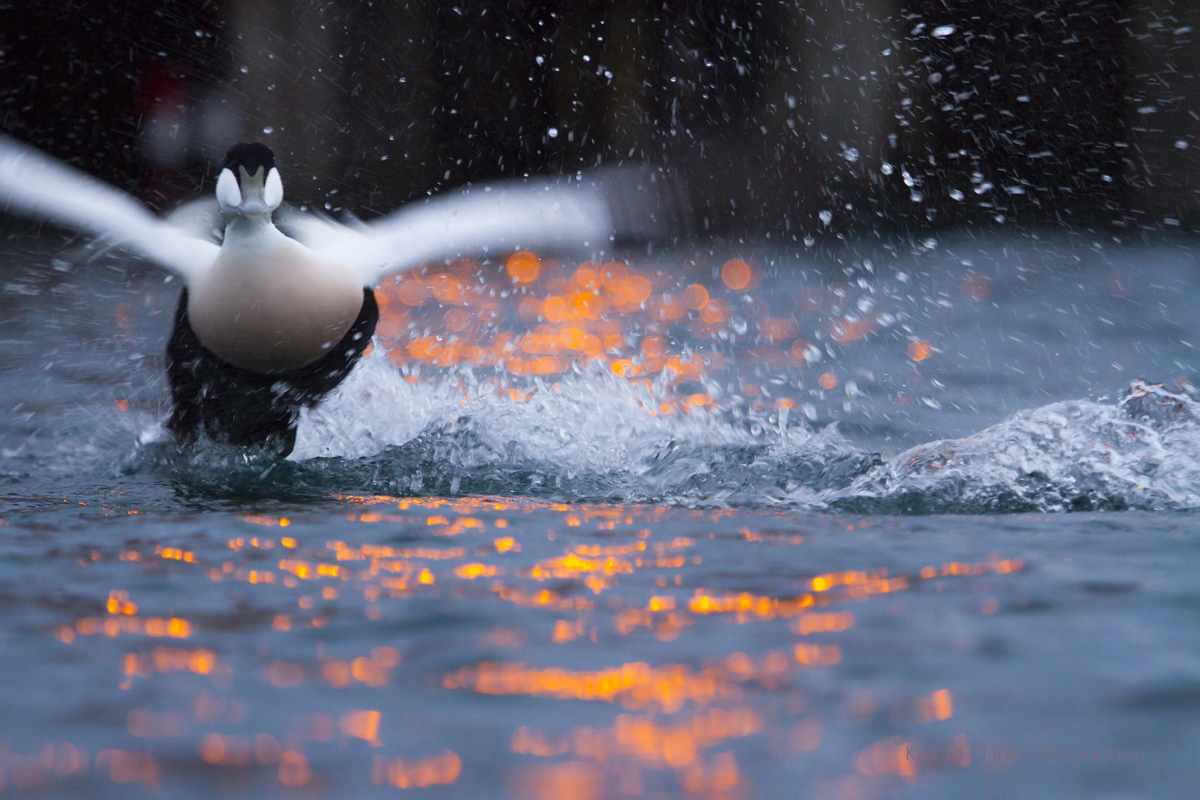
column 254, row 204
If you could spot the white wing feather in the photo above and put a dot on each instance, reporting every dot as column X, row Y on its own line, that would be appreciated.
column 199, row 218
column 36, row 185
column 501, row 216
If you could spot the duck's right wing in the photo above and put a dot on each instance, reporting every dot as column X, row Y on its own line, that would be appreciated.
column 34, row 184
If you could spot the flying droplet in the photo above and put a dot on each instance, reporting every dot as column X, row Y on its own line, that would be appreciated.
column 942, row 31
column 268, row 130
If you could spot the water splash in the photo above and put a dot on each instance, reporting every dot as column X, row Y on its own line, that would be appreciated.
column 595, row 437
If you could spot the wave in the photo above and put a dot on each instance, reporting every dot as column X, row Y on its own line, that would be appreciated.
column 1141, row 452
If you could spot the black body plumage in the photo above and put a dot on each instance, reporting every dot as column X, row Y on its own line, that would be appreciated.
column 244, row 408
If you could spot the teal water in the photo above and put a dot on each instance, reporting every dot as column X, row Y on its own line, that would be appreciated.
column 968, row 574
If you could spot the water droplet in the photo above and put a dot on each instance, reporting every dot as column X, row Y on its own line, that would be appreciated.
column 553, row 133
column 826, row 216
column 1181, row 144
column 956, row 194
column 268, row 130
column 245, row 70
column 942, row 31
column 850, row 154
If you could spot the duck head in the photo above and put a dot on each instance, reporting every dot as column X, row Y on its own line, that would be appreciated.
column 249, row 185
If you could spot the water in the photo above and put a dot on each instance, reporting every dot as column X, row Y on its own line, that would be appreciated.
column 824, row 552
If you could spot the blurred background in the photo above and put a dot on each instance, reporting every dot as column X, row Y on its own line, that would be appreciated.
column 790, row 121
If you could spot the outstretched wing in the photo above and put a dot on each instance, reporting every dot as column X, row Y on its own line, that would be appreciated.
column 199, row 218
column 37, row 185
column 586, row 213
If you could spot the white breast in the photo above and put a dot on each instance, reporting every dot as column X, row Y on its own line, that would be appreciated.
column 269, row 304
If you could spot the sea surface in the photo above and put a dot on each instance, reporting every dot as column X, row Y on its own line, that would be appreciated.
column 886, row 519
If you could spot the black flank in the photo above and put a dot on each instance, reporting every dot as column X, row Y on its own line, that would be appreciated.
column 243, row 408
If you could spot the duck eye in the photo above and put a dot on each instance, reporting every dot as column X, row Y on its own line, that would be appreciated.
column 273, row 190
column 229, row 195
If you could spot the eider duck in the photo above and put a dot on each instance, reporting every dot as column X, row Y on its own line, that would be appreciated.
column 268, row 324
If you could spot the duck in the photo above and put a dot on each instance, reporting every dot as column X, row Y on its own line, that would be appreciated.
column 269, row 323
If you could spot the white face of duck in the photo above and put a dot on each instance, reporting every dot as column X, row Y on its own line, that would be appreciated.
column 247, row 195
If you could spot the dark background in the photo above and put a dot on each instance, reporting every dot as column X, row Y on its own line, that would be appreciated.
column 1035, row 114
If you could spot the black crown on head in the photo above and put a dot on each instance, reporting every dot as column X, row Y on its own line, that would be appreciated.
column 250, row 155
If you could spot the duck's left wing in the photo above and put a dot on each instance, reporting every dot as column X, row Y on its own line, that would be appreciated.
column 34, row 184
column 587, row 213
